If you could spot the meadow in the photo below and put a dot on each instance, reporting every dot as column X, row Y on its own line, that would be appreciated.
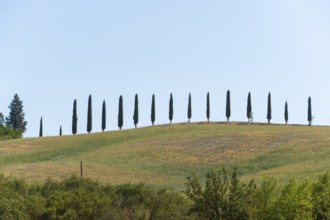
column 164, row 155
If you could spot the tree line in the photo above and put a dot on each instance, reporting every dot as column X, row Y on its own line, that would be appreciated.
column 14, row 125
column 221, row 196
column 249, row 112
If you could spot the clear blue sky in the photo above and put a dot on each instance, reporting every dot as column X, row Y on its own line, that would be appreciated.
column 52, row 52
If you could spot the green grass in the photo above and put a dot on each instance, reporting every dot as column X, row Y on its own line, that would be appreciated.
column 163, row 156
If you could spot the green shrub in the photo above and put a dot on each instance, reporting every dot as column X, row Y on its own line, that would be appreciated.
column 223, row 196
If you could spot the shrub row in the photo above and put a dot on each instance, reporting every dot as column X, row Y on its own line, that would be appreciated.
column 222, row 196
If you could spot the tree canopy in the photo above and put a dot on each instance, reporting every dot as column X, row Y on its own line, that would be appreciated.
column 16, row 118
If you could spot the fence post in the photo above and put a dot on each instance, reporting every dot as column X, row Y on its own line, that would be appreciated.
column 81, row 169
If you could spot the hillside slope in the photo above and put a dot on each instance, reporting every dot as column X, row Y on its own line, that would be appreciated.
column 166, row 155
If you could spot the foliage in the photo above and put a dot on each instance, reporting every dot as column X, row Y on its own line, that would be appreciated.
column 74, row 118
column 228, row 110
column 286, row 113
column 170, row 112
column 2, row 119
column 269, row 108
column 249, row 107
column 7, row 133
column 120, row 113
column 189, row 114
column 104, row 116
column 41, row 128
column 309, row 113
column 222, row 198
column 79, row 198
column 89, row 114
column 208, row 106
column 16, row 118
column 153, row 110
column 136, row 110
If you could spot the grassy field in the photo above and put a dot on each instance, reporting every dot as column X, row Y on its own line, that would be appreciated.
column 163, row 156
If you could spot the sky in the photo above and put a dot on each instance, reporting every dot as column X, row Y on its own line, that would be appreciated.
column 52, row 52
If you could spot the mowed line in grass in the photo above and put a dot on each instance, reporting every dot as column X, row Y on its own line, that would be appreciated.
column 166, row 155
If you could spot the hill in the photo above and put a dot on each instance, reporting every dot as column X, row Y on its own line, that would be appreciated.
column 165, row 155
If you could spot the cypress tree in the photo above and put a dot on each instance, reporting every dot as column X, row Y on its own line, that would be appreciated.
column 89, row 114
column 74, row 118
column 309, row 117
column 61, row 130
column 136, row 111
column 41, row 128
column 269, row 108
column 104, row 115
column 208, row 107
column 120, row 113
column 189, row 108
column 170, row 114
column 153, row 110
column 286, row 113
column 228, row 110
column 249, row 108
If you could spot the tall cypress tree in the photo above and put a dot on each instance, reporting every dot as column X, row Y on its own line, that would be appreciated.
column 269, row 108
column 61, row 130
column 89, row 114
column 74, row 118
column 228, row 109
column 41, row 128
column 104, row 116
column 309, row 116
column 136, row 111
column 208, row 107
column 249, row 107
column 189, row 108
column 153, row 109
column 170, row 113
column 286, row 113
column 120, row 113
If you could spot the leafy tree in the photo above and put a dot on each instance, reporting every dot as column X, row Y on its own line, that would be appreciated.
column 286, row 113
column 136, row 111
column 208, row 107
column 309, row 118
column 228, row 110
column 89, row 114
column 222, row 197
column 249, row 108
column 153, row 110
column 104, row 116
column 74, row 118
column 269, row 108
column 189, row 107
column 61, row 130
column 16, row 118
column 41, row 128
column 120, row 113
column 2, row 120
column 294, row 201
column 170, row 114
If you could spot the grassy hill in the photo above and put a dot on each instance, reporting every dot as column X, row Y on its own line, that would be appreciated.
column 166, row 155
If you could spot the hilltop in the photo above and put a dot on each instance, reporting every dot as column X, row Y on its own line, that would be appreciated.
column 165, row 155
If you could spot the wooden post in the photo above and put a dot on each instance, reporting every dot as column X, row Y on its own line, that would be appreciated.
column 81, row 169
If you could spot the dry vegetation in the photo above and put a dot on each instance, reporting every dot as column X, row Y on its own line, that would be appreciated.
column 166, row 155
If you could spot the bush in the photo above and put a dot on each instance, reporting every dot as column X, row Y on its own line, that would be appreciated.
column 222, row 198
